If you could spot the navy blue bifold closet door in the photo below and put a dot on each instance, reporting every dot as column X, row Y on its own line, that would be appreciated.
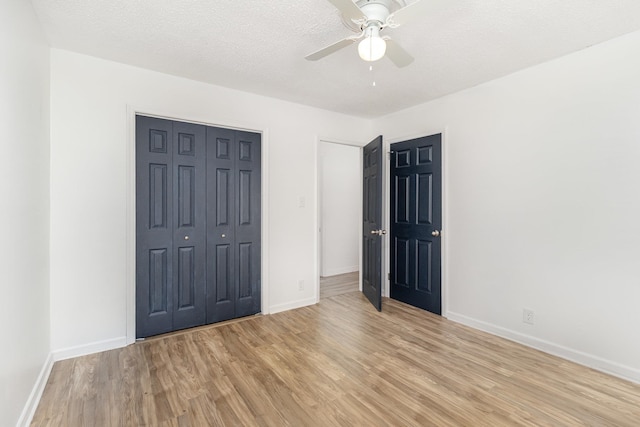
column 192, row 233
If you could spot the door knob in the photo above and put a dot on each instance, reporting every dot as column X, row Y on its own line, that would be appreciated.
column 186, row 237
column 435, row 233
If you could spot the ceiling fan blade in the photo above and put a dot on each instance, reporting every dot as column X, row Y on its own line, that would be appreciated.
column 348, row 8
column 326, row 51
column 417, row 10
column 397, row 54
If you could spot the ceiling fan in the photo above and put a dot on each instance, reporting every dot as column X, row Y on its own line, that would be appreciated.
column 370, row 18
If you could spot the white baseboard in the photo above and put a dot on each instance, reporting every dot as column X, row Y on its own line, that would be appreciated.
column 94, row 347
column 589, row 360
column 291, row 305
column 327, row 272
column 30, row 407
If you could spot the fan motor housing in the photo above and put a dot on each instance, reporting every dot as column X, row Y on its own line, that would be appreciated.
column 375, row 10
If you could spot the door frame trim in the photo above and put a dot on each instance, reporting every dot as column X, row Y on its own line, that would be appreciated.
column 130, row 192
column 317, row 215
column 444, row 265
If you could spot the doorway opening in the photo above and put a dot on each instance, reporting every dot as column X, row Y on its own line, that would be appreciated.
column 339, row 218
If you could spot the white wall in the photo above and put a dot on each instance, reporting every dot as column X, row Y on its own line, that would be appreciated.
column 340, row 208
column 543, row 203
column 89, row 149
column 24, row 189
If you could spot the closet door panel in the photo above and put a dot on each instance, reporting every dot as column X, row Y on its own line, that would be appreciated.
column 221, row 211
column 248, row 220
column 189, row 224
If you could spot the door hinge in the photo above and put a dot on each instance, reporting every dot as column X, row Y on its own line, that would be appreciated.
column 388, row 276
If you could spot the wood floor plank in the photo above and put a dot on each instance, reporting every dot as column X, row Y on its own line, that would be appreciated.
column 337, row 363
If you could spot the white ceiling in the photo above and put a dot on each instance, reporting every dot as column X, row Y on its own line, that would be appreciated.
column 259, row 46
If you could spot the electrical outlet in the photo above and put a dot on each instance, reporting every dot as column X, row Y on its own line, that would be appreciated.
column 301, row 285
column 527, row 316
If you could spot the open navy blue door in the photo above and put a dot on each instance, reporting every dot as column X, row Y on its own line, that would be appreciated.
column 416, row 222
column 372, row 207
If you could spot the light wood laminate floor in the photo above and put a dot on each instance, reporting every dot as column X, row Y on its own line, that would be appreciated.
column 337, row 363
column 332, row 286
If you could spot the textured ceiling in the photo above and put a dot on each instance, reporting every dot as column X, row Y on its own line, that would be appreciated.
column 259, row 46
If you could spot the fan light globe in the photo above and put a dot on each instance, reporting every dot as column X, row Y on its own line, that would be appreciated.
column 372, row 47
